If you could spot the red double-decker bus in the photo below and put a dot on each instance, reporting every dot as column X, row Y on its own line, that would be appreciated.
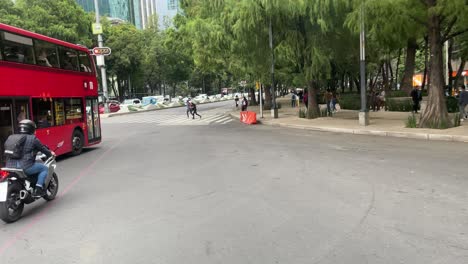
column 51, row 82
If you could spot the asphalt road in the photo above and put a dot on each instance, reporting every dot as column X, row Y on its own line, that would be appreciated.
column 155, row 192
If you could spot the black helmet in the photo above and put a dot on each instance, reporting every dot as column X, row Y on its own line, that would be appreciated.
column 27, row 126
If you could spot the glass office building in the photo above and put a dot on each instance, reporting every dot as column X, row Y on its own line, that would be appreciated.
column 166, row 10
column 88, row 6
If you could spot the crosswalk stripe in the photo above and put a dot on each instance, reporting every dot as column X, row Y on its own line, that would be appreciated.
column 172, row 120
column 224, row 118
column 228, row 121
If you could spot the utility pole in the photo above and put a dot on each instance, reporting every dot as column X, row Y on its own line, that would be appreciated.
column 274, row 109
column 364, row 113
column 100, row 60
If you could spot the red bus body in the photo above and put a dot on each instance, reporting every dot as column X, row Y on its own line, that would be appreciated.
column 65, row 100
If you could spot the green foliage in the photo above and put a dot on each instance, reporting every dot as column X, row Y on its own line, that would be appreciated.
column 411, row 122
column 399, row 93
column 399, row 104
column 350, row 101
column 452, row 104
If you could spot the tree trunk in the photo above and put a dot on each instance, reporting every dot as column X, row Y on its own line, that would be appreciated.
column 426, row 58
column 390, row 70
column 397, row 71
column 435, row 114
column 253, row 100
column 267, row 105
column 459, row 73
column 313, row 110
column 410, row 62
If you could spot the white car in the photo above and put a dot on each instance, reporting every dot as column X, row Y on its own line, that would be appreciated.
column 135, row 102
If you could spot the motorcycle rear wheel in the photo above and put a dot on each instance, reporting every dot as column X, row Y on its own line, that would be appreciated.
column 52, row 189
column 12, row 209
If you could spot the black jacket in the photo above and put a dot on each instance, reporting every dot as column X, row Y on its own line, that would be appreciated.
column 31, row 146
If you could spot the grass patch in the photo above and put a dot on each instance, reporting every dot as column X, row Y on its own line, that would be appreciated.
column 411, row 122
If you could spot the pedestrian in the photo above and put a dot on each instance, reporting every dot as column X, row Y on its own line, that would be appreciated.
column 334, row 101
column 416, row 96
column 305, row 99
column 293, row 100
column 193, row 110
column 245, row 103
column 189, row 101
column 462, row 102
column 328, row 100
column 237, row 101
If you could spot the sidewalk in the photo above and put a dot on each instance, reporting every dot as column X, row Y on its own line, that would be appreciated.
column 389, row 124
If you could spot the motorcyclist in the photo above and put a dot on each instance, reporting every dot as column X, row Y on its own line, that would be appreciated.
column 28, row 162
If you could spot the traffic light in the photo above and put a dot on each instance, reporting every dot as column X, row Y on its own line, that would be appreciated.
column 101, row 51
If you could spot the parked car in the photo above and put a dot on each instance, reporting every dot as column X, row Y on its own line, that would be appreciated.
column 113, row 107
column 135, row 101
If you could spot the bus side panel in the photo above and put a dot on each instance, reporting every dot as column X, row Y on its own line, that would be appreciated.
column 51, row 136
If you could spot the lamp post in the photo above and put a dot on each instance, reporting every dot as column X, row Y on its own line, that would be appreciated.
column 274, row 108
column 101, row 62
column 364, row 113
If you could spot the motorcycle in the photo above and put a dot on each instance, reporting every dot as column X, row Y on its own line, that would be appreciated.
column 16, row 188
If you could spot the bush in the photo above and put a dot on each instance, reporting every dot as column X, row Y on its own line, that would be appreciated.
column 350, row 101
column 452, row 104
column 411, row 122
column 399, row 105
column 398, row 93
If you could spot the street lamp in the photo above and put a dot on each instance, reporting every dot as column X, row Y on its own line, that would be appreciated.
column 364, row 113
column 101, row 62
column 274, row 109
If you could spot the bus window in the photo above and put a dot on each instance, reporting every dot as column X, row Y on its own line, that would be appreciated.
column 43, row 112
column 68, row 59
column 73, row 112
column 85, row 64
column 46, row 54
column 18, row 48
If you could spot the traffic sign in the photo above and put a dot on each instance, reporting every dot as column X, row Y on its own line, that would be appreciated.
column 101, row 51
column 97, row 29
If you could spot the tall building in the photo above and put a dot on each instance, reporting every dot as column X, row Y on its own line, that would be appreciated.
column 166, row 10
column 137, row 12
column 147, row 12
column 88, row 6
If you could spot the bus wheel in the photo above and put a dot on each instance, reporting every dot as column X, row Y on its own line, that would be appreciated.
column 77, row 142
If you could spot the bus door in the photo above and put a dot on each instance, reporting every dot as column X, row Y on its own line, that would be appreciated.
column 11, row 112
column 93, row 122
column 6, row 124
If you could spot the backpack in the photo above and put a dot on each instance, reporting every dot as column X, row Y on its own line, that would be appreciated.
column 14, row 146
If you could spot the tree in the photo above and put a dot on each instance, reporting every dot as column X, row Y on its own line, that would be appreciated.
column 61, row 19
column 445, row 20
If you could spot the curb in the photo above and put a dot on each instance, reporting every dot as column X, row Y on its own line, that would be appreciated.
column 381, row 133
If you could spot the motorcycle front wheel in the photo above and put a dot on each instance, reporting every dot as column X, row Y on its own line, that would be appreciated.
column 12, row 209
column 52, row 189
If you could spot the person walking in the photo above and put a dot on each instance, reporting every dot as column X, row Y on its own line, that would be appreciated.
column 415, row 95
column 293, row 100
column 237, row 101
column 305, row 99
column 189, row 101
column 462, row 102
column 245, row 103
column 193, row 110
column 328, row 100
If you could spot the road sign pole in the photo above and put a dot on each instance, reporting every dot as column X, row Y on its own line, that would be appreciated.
column 261, row 99
column 103, row 66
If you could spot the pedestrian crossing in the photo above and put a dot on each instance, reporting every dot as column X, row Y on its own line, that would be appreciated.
column 170, row 119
